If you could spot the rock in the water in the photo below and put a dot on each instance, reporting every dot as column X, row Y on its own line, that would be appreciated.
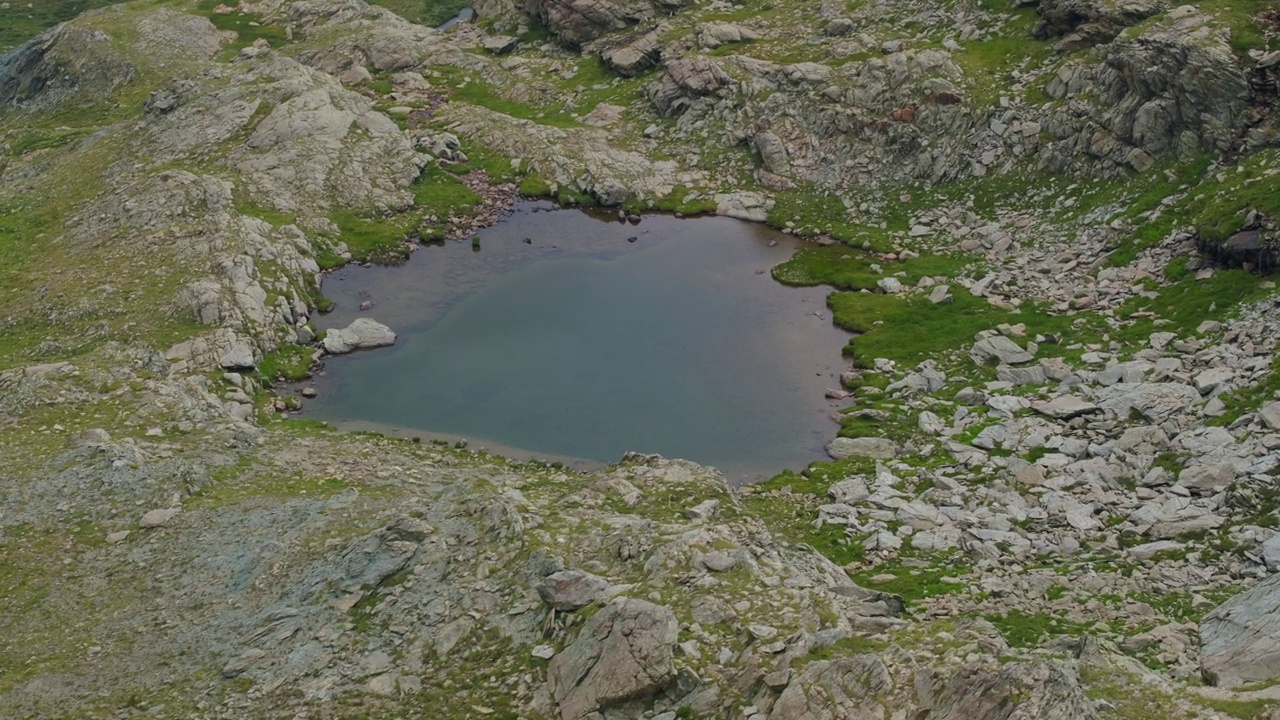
column 750, row 206
column 1240, row 639
column 361, row 333
column 870, row 447
column 569, row 590
column 624, row 652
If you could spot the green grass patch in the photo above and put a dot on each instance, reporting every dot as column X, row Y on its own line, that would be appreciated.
column 909, row 330
column 916, row 583
column 848, row 269
column 248, row 28
column 1243, row 709
column 289, row 363
column 374, row 239
column 1023, row 630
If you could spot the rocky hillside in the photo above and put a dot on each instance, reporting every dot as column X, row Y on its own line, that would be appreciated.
column 1052, row 491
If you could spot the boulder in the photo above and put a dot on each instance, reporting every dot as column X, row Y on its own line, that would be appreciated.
column 1156, row 401
column 1271, row 552
column 624, row 652
column 750, row 206
column 1269, row 414
column 1240, row 639
column 1209, row 478
column 869, row 447
column 238, row 357
column 158, row 518
column 499, row 44
column 570, row 590
column 1001, row 349
column 360, row 334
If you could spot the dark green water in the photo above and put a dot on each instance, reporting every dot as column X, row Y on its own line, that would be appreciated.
column 581, row 344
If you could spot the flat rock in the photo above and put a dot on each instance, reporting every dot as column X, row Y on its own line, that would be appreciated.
column 1156, row 401
column 869, row 447
column 1146, row 551
column 1065, row 407
column 362, row 333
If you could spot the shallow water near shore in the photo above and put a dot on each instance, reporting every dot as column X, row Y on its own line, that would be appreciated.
column 573, row 335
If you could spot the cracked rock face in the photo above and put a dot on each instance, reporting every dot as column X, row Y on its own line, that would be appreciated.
column 1240, row 640
column 623, row 653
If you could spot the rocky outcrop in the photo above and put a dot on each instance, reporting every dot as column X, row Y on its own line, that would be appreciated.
column 684, row 81
column 577, row 22
column 850, row 688
column 1176, row 88
column 1088, row 22
column 624, row 653
column 1240, row 639
column 634, row 54
column 1044, row 691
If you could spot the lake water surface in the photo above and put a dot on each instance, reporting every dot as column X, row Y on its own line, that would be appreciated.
column 575, row 336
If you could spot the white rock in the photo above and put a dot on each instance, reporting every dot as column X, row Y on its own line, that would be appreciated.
column 360, row 334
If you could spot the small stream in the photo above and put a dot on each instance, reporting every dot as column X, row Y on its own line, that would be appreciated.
column 573, row 336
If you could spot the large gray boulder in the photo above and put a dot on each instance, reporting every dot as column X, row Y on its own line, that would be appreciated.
column 623, row 653
column 569, row 590
column 1156, row 401
column 1240, row 639
column 360, row 334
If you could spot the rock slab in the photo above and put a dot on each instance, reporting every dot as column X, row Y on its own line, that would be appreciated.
column 1240, row 639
